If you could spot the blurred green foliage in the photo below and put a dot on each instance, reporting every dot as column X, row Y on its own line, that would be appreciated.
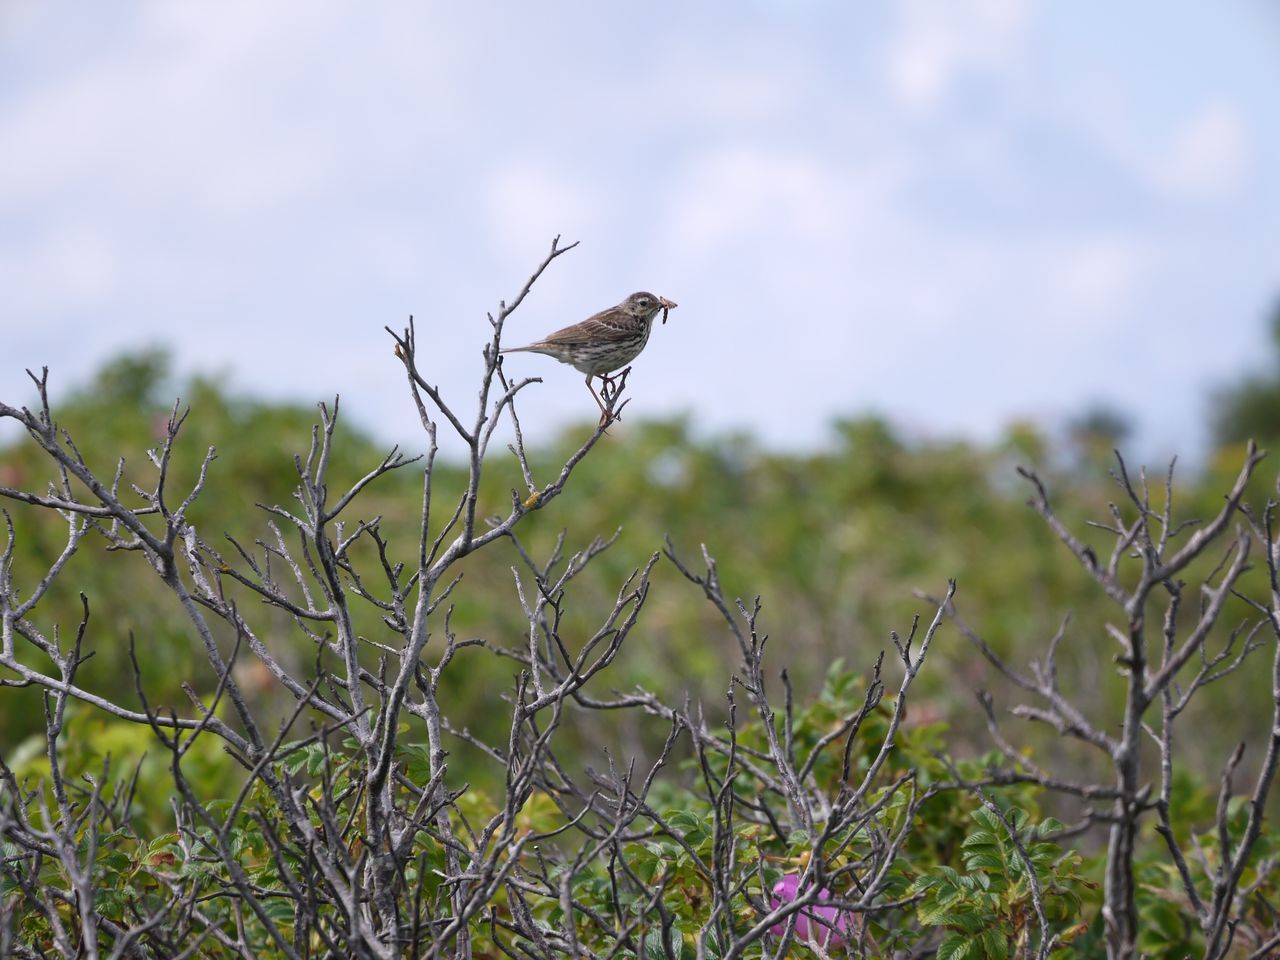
column 1250, row 408
column 834, row 541
column 136, row 864
column 984, row 910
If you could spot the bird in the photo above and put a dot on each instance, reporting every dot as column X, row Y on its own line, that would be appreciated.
column 604, row 342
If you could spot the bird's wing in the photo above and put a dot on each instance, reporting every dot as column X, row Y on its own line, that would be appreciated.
column 588, row 331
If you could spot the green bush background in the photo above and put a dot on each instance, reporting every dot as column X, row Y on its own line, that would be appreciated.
column 836, row 542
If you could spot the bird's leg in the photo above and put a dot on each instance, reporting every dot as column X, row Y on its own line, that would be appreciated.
column 611, row 388
column 612, row 383
column 604, row 413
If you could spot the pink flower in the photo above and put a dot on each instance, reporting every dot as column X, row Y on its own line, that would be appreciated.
column 825, row 926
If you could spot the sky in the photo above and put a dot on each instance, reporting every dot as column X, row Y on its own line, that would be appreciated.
column 953, row 213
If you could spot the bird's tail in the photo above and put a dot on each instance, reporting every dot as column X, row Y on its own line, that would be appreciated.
column 517, row 349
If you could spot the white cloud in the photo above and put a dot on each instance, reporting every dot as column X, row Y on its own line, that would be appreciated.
column 1204, row 155
column 76, row 268
column 729, row 193
column 231, row 179
column 937, row 40
column 1207, row 157
column 223, row 115
column 528, row 203
column 775, row 198
column 1096, row 278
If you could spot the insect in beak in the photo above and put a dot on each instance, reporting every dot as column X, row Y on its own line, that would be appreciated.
column 667, row 307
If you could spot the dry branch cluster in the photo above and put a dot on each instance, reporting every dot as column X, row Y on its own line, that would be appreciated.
column 1165, row 655
column 367, row 844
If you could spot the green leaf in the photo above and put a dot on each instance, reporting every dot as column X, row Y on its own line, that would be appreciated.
column 995, row 944
column 315, row 759
column 279, row 910
column 955, row 947
column 162, row 841
column 936, row 915
column 116, row 860
column 984, row 860
column 989, row 820
column 684, row 821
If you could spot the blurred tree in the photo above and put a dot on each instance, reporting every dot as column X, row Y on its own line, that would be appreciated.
column 834, row 540
column 1097, row 433
column 118, row 415
column 1250, row 408
column 134, row 380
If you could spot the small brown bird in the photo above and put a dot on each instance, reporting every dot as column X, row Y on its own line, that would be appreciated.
column 605, row 342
